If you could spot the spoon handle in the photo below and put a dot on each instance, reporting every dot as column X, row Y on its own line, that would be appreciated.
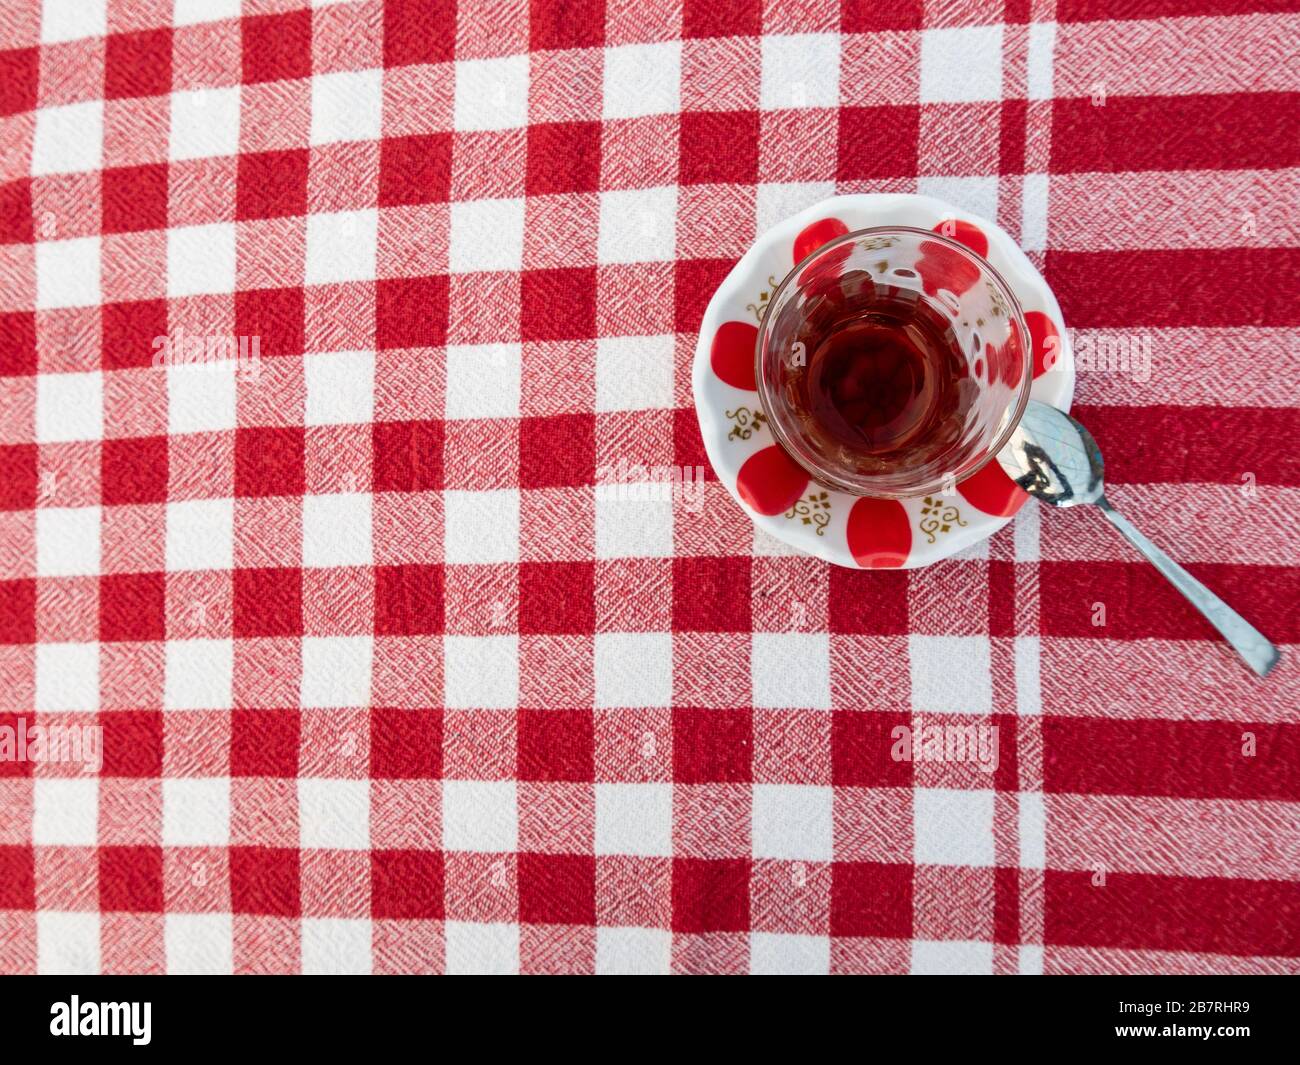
column 1246, row 640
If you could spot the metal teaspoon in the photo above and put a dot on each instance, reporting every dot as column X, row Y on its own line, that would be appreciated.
column 1055, row 459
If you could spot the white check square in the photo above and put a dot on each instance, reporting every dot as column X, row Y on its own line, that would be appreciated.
column 481, row 672
column 483, row 380
column 633, row 951
column 480, row 815
column 346, row 106
column 334, row 814
column 336, row 671
column 953, row 826
column 951, row 674
column 482, row 949
column 800, row 70
column 335, row 946
column 637, row 226
column 336, row 530
column 70, row 20
column 67, row 541
column 204, row 123
column 340, row 387
column 634, row 819
column 68, row 139
column 199, row 944
column 342, row 246
column 69, row 406
column 67, row 944
column 931, row 957
column 67, row 273
column 198, row 674
column 777, row 954
column 792, row 669
column 196, row 811
column 201, row 399
column 792, row 822
column 481, row 527
column 632, row 520
column 961, row 64
column 634, row 669
column 67, row 676
column 201, row 259
column 491, row 93
column 487, row 235
column 634, row 373
column 642, row 79
column 65, row 812
column 192, row 12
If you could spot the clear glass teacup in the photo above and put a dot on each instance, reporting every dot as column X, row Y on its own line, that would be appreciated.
column 893, row 362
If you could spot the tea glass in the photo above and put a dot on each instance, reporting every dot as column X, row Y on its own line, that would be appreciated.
column 905, row 266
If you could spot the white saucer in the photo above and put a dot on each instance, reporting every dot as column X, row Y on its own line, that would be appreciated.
column 777, row 494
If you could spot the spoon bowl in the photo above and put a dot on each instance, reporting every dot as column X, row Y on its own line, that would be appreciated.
column 1054, row 458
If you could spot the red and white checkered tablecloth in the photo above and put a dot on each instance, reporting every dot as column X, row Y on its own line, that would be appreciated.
column 384, row 686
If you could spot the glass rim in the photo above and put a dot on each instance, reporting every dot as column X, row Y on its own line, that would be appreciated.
column 828, row 477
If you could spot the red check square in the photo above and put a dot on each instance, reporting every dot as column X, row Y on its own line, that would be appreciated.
column 711, row 746
column 415, row 169
column 871, row 899
column 132, row 606
column 878, row 142
column 411, row 312
column 406, row 884
column 271, row 184
column 269, row 461
column 408, row 456
column 872, row 602
column 133, row 333
column 862, row 746
column 138, row 64
column 131, row 879
column 264, row 743
column 557, row 597
column 16, row 212
column 418, row 31
column 563, row 157
column 710, row 895
column 268, row 602
column 557, row 889
column 133, row 743
column 405, row 744
column 276, row 47
column 17, row 344
column 265, row 881
column 559, row 304
column 17, row 878
column 556, row 745
column 575, row 24
column 19, row 68
column 134, row 470
column 274, row 317
column 721, row 18
column 868, row 16
column 719, row 147
column 134, row 198
column 19, row 476
column 557, row 451
column 409, row 600
column 18, row 611
column 711, row 595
